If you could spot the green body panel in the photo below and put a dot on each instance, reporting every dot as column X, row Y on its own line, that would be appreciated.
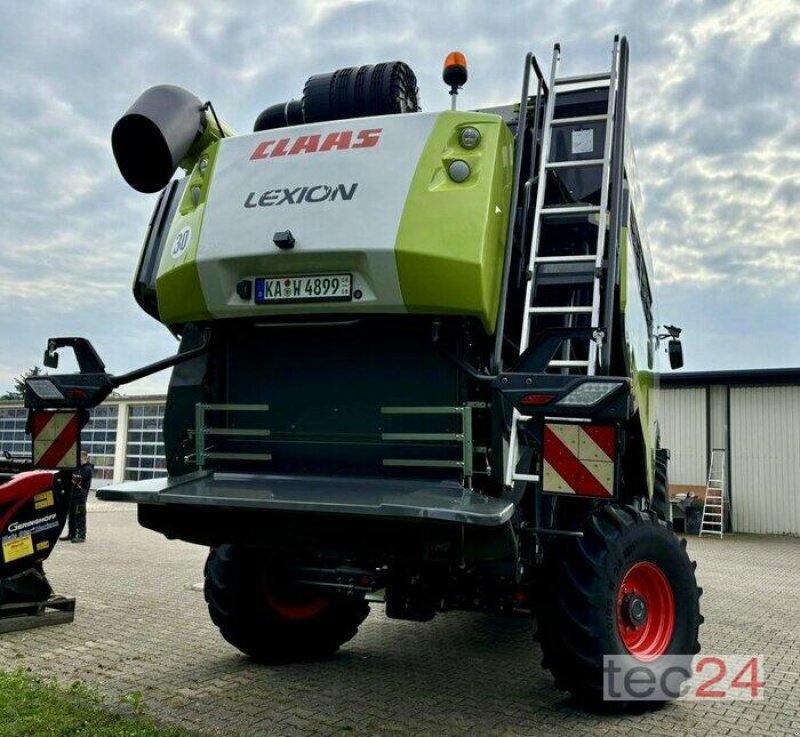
column 638, row 355
column 180, row 294
column 210, row 135
column 412, row 239
column 461, row 267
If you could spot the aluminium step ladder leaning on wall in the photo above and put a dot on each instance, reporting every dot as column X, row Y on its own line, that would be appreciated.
column 713, row 521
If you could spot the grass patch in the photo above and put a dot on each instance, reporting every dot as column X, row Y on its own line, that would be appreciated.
column 31, row 708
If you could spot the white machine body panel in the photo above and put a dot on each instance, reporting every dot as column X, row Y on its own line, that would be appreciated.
column 339, row 187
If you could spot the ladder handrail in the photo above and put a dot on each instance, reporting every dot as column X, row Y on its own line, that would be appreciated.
column 516, row 417
column 537, row 213
column 618, row 167
column 604, row 186
column 541, row 88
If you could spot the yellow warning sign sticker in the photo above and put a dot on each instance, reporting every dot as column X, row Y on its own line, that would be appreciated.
column 42, row 545
column 45, row 499
column 17, row 548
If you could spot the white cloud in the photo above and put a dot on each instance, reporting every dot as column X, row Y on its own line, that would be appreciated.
column 713, row 100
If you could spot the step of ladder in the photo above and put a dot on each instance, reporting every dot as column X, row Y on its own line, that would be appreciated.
column 576, row 266
column 562, row 310
column 580, row 119
column 577, row 164
column 567, row 273
column 582, row 78
column 525, row 477
column 587, row 257
column 568, row 364
column 570, row 210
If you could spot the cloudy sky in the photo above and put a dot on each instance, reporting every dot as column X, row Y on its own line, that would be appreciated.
column 714, row 101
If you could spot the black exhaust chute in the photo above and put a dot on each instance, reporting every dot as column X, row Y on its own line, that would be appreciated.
column 355, row 92
column 280, row 115
column 154, row 136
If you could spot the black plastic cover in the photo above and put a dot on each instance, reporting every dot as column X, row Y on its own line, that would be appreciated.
column 144, row 283
column 154, row 136
column 280, row 115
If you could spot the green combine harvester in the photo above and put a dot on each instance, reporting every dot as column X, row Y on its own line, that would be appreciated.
column 417, row 366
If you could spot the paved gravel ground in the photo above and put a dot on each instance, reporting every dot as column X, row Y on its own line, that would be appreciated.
column 141, row 625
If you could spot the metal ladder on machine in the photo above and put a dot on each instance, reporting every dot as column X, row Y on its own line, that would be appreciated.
column 538, row 264
column 713, row 520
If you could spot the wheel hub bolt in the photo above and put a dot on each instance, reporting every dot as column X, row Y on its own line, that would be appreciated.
column 635, row 609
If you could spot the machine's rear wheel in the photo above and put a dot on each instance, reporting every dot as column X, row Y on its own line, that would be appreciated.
column 263, row 613
column 626, row 588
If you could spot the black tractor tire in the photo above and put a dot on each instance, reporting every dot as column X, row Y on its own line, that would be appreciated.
column 584, row 611
column 389, row 88
column 660, row 503
column 259, row 610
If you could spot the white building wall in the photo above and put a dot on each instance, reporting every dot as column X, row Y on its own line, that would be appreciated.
column 717, row 417
column 683, row 431
column 765, row 459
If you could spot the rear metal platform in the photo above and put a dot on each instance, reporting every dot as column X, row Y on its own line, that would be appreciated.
column 446, row 501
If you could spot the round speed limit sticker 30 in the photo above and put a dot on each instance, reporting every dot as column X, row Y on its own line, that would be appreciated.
column 181, row 242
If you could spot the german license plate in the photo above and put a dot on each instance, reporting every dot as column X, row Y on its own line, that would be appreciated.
column 317, row 288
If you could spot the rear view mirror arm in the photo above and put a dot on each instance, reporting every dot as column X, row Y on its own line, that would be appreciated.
column 92, row 384
column 90, row 363
column 164, row 363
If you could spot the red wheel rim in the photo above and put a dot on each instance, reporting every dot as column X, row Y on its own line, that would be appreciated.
column 645, row 611
column 295, row 604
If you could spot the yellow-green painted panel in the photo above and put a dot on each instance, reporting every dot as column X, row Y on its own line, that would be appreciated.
column 451, row 240
column 638, row 348
column 180, row 294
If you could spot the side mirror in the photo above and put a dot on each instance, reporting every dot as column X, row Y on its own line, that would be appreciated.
column 50, row 357
column 88, row 360
column 675, row 351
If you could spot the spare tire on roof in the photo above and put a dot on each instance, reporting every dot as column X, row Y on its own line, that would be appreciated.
column 357, row 92
column 389, row 88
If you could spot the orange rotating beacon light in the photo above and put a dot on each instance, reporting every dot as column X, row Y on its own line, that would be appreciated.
column 454, row 74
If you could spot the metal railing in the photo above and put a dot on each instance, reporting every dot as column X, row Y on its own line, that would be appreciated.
column 203, row 431
column 464, row 437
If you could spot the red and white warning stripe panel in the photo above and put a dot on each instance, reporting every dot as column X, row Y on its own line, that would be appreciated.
column 56, row 439
column 579, row 459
